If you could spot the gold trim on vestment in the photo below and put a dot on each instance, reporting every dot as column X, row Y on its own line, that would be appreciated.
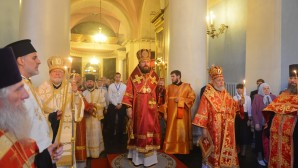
column 25, row 158
column 80, row 147
column 144, row 150
column 33, row 91
column 128, row 95
column 65, row 161
column 149, row 135
column 5, row 144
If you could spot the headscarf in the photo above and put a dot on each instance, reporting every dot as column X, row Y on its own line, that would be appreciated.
column 266, row 98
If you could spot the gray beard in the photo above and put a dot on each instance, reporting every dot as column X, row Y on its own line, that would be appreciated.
column 292, row 89
column 15, row 120
column 219, row 88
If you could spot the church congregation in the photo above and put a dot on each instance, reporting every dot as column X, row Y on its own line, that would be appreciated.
column 148, row 84
column 69, row 122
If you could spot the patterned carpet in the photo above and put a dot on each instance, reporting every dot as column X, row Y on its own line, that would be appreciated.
column 164, row 161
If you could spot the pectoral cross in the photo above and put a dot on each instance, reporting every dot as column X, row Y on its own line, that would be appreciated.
column 153, row 80
column 137, row 79
column 152, row 102
column 286, row 107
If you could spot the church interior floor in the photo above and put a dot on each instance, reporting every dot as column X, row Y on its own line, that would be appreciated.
column 193, row 160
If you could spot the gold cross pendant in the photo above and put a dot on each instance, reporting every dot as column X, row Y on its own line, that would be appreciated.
column 152, row 102
column 137, row 79
column 153, row 80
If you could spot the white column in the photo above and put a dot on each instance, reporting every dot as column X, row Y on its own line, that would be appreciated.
column 187, row 41
column 119, row 61
column 185, row 36
column 46, row 23
column 263, row 44
column 9, row 21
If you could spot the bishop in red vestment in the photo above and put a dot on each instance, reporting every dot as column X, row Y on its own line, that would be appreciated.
column 216, row 116
column 141, row 100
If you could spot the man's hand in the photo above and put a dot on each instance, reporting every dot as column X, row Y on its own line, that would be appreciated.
column 258, row 127
column 129, row 112
column 118, row 106
column 165, row 116
column 55, row 152
column 59, row 113
column 249, row 121
column 204, row 133
column 74, row 86
column 105, row 111
column 176, row 100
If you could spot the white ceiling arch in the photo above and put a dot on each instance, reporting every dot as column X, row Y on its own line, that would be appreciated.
column 122, row 16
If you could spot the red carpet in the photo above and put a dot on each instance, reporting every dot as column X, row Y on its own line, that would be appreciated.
column 100, row 162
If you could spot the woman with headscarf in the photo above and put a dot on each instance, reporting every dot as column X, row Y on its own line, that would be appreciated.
column 241, row 127
column 261, row 100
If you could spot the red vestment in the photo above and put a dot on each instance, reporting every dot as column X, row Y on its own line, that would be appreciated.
column 217, row 113
column 16, row 154
column 80, row 151
column 283, row 123
column 141, row 95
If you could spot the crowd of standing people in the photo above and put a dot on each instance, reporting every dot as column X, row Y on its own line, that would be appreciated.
column 65, row 120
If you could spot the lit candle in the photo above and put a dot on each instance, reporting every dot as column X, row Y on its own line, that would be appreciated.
column 296, row 78
column 244, row 82
column 70, row 59
column 212, row 17
column 207, row 19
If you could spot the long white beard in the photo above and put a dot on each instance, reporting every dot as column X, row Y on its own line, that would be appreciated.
column 15, row 120
column 219, row 88
column 56, row 80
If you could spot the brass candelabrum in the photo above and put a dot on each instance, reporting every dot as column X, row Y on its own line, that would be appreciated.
column 212, row 32
column 162, row 65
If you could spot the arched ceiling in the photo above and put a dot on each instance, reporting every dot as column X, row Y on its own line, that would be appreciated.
column 121, row 20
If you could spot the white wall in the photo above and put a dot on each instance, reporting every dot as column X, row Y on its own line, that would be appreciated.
column 228, row 50
column 9, row 21
column 263, row 47
column 289, row 38
column 46, row 23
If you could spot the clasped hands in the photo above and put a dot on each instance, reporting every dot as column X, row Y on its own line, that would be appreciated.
column 74, row 86
column 55, row 152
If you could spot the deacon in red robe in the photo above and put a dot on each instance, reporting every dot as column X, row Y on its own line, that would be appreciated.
column 282, row 129
column 179, row 100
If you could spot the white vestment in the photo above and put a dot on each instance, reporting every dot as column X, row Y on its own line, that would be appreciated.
column 63, row 99
column 139, row 158
column 94, row 139
column 40, row 130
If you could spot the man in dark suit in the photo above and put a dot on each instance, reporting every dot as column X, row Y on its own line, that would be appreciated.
column 252, row 93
